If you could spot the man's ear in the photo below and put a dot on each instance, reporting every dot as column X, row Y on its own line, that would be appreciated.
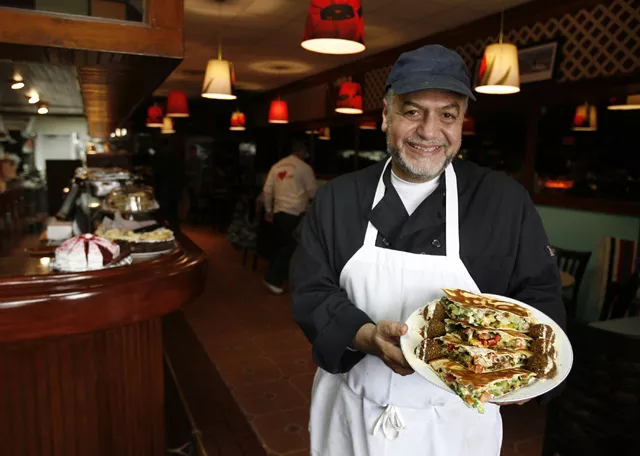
column 383, row 127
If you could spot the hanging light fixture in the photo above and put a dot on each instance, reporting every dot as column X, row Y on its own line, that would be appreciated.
column 349, row 98
column 279, row 112
column 17, row 82
column 369, row 125
column 585, row 118
column 624, row 103
column 219, row 79
column 334, row 28
column 177, row 105
column 325, row 134
column 238, row 121
column 499, row 72
column 43, row 108
column 167, row 126
column 33, row 97
column 154, row 116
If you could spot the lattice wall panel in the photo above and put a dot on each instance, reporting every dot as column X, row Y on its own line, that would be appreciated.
column 373, row 90
column 599, row 42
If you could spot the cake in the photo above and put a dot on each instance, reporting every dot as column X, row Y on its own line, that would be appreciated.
column 85, row 252
column 158, row 240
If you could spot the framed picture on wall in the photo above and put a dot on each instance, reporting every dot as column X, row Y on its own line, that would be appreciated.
column 537, row 63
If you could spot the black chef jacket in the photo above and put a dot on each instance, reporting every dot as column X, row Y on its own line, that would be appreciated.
column 502, row 244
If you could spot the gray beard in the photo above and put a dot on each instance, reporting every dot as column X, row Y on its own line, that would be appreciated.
column 401, row 163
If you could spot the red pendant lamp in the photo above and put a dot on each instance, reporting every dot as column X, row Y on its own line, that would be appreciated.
column 585, row 118
column 349, row 98
column 238, row 121
column 334, row 27
column 325, row 134
column 279, row 112
column 177, row 105
column 154, row 116
column 369, row 125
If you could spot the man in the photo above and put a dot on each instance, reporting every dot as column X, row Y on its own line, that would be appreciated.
column 379, row 243
column 289, row 187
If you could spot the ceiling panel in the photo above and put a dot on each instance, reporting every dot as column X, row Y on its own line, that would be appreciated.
column 55, row 84
column 255, row 31
column 408, row 10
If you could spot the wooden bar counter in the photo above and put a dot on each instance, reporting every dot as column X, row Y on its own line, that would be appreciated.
column 81, row 355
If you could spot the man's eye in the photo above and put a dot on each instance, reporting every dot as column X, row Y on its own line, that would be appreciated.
column 449, row 116
column 411, row 113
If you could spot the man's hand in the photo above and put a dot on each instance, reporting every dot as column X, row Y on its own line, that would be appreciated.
column 269, row 217
column 383, row 341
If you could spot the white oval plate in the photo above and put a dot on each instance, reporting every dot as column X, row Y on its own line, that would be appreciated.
column 564, row 361
column 143, row 256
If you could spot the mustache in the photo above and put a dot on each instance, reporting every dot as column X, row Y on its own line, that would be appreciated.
column 426, row 142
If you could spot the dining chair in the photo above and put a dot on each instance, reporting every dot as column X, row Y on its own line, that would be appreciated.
column 574, row 263
column 620, row 300
column 616, row 280
column 597, row 413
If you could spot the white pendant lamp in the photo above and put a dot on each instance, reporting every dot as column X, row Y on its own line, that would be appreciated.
column 219, row 79
column 629, row 103
column 499, row 72
column 167, row 126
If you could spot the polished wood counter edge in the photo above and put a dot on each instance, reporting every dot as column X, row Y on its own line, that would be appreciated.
column 40, row 306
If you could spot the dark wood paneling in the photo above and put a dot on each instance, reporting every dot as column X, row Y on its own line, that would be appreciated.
column 92, row 34
column 81, row 359
column 33, row 307
column 111, row 85
column 98, row 394
column 118, row 63
column 164, row 14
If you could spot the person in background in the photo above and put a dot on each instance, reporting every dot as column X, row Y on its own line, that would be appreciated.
column 287, row 191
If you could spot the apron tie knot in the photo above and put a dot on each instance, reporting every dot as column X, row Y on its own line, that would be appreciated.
column 390, row 417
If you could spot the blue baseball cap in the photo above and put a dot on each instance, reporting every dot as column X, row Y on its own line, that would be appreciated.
column 430, row 67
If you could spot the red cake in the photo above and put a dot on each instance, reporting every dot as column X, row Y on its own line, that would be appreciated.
column 85, row 252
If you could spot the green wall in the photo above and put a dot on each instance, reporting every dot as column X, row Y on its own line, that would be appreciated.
column 581, row 230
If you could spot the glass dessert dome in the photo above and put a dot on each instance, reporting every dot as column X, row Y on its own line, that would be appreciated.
column 131, row 198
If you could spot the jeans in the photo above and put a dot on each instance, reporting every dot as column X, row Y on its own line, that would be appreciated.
column 284, row 245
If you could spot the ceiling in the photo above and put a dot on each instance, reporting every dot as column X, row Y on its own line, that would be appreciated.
column 262, row 37
column 55, row 84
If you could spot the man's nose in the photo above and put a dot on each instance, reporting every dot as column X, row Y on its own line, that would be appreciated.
column 428, row 128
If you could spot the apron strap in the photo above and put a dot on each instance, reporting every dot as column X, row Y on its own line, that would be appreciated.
column 451, row 203
column 390, row 418
column 372, row 233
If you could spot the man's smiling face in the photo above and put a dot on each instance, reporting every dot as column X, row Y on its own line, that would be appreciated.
column 424, row 132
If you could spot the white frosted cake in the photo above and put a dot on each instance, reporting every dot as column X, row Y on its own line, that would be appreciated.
column 85, row 252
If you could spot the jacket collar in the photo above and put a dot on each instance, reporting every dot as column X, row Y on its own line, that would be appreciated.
column 391, row 219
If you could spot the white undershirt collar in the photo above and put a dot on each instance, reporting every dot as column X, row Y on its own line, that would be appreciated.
column 413, row 194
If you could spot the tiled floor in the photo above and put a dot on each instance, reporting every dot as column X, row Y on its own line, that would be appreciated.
column 265, row 359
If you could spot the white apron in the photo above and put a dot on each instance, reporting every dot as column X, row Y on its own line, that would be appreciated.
column 371, row 411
